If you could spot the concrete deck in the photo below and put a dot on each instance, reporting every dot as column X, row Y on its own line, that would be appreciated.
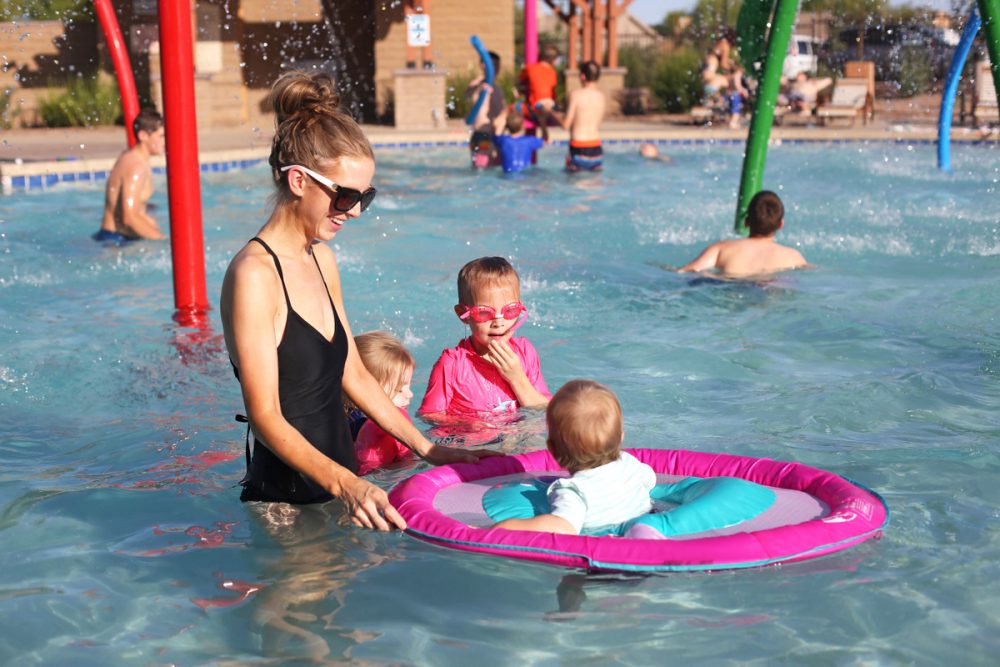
column 38, row 158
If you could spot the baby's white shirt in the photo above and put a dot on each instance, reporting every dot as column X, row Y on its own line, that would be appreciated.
column 609, row 494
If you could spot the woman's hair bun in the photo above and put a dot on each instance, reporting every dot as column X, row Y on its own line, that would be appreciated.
column 297, row 91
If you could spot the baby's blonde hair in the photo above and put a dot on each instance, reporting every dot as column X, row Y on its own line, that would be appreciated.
column 585, row 425
column 482, row 272
column 385, row 357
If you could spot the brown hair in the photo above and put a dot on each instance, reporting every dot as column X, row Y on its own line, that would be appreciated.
column 585, row 425
column 484, row 271
column 590, row 70
column 550, row 53
column 765, row 213
column 515, row 122
column 385, row 357
column 310, row 126
column 148, row 120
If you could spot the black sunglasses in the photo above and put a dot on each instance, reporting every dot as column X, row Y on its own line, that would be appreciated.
column 343, row 199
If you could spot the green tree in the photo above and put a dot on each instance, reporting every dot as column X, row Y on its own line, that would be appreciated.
column 850, row 14
column 709, row 17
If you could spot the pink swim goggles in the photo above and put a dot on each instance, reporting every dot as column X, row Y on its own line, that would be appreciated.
column 481, row 314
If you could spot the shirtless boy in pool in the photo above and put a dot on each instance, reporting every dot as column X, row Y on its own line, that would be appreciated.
column 758, row 254
column 130, row 185
column 583, row 120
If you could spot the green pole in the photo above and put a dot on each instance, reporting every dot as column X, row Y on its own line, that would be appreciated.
column 763, row 113
column 989, row 10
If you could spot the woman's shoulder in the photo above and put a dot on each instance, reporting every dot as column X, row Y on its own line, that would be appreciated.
column 252, row 263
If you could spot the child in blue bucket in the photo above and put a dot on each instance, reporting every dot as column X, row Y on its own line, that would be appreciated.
column 606, row 485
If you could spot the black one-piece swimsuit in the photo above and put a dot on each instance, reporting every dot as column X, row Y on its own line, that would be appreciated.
column 310, row 372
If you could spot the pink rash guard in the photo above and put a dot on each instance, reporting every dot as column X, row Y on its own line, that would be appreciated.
column 375, row 448
column 462, row 382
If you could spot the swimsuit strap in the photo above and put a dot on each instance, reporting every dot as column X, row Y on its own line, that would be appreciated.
column 316, row 261
column 277, row 265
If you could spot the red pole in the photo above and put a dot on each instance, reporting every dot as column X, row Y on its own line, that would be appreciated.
column 183, row 171
column 123, row 68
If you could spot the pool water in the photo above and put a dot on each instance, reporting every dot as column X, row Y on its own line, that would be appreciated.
column 122, row 540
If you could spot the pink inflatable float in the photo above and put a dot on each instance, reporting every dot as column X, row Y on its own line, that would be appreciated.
column 711, row 512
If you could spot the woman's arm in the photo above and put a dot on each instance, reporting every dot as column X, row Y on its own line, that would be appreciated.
column 250, row 297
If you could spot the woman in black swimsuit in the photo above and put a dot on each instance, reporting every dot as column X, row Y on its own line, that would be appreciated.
column 283, row 314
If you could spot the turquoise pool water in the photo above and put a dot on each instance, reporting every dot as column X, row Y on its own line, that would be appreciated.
column 122, row 540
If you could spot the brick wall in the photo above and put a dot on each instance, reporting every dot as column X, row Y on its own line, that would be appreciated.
column 258, row 45
column 34, row 54
column 452, row 23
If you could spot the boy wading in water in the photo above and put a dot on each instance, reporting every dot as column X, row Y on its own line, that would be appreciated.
column 758, row 254
column 583, row 120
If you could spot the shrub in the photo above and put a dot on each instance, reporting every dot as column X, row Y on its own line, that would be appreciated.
column 915, row 71
column 85, row 102
column 641, row 63
column 458, row 105
column 677, row 81
column 7, row 115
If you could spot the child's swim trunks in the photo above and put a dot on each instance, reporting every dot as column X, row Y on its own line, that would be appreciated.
column 585, row 155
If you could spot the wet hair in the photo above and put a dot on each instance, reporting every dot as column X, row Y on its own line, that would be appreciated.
column 148, row 120
column 483, row 272
column 550, row 53
column 495, row 57
column 590, row 70
column 515, row 122
column 765, row 213
column 311, row 129
column 385, row 357
column 585, row 425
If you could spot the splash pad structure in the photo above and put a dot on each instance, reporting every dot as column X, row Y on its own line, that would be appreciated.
column 775, row 18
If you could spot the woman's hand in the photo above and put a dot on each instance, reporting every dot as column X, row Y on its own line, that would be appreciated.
column 368, row 506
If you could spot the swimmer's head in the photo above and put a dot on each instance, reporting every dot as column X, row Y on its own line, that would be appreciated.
column 389, row 362
column 590, row 71
column 483, row 273
column 765, row 214
column 489, row 301
column 150, row 122
column 584, row 419
column 649, row 150
column 515, row 123
column 311, row 128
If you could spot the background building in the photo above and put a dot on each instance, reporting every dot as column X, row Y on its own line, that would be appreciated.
column 243, row 45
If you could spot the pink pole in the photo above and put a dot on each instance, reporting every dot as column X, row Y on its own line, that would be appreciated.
column 123, row 68
column 183, row 171
column 530, row 31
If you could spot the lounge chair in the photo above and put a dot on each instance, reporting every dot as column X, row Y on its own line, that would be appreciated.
column 984, row 103
column 863, row 69
column 850, row 98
